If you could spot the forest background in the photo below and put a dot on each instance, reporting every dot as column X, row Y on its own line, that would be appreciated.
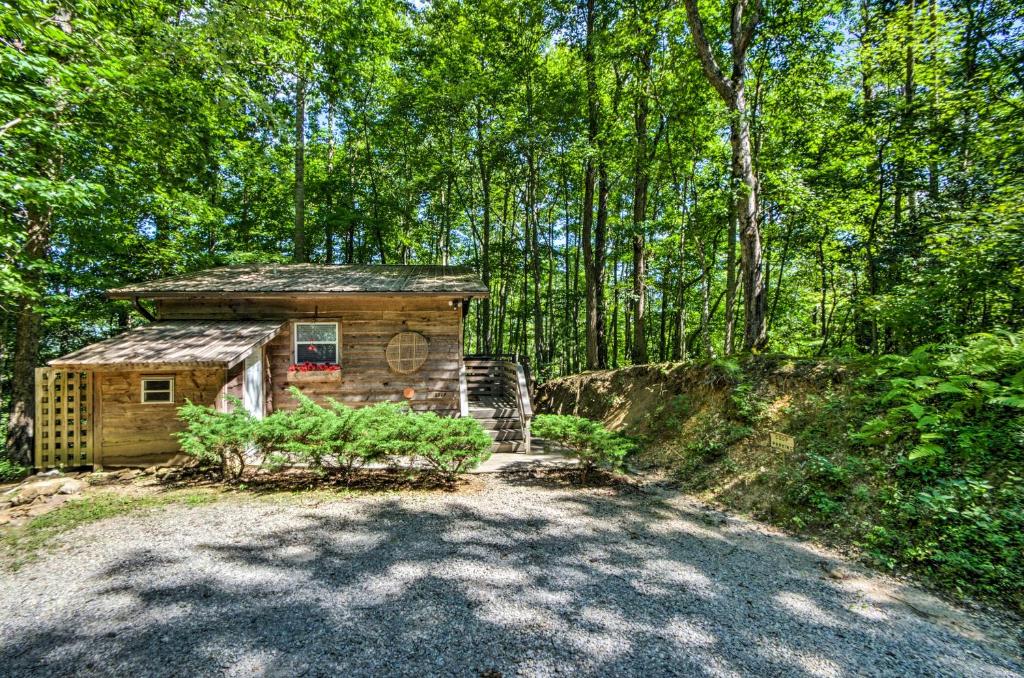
column 635, row 180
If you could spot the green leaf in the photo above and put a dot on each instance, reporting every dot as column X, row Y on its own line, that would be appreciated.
column 1008, row 401
column 926, row 450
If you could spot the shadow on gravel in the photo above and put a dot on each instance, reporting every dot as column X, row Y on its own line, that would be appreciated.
column 605, row 581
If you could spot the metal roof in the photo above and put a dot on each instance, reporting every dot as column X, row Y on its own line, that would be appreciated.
column 196, row 343
column 312, row 279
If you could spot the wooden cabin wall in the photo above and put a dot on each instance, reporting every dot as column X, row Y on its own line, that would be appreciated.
column 233, row 387
column 365, row 377
column 366, row 325
column 133, row 433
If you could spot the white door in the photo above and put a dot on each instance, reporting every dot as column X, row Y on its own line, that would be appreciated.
column 252, row 384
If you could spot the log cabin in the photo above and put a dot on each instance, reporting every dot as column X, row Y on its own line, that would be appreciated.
column 357, row 334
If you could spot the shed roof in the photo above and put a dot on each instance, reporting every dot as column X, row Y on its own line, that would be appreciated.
column 195, row 343
column 287, row 279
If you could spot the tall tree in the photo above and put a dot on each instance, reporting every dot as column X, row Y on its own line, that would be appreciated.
column 732, row 90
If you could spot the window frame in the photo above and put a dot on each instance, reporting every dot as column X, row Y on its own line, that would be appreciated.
column 169, row 390
column 337, row 340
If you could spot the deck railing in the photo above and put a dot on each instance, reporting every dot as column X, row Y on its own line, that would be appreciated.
column 512, row 375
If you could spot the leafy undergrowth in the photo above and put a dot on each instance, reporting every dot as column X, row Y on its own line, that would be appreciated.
column 11, row 471
column 916, row 460
column 23, row 544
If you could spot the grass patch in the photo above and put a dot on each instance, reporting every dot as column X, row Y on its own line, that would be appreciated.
column 23, row 544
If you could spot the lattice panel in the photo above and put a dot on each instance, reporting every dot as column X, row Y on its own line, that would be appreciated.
column 64, row 423
column 406, row 352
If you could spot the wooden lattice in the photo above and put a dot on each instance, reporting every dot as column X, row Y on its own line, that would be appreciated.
column 406, row 352
column 63, row 421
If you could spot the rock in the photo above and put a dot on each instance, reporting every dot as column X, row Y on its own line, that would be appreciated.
column 39, row 488
column 72, row 486
column 40, row 509
column 52, row 472
column 833, row 572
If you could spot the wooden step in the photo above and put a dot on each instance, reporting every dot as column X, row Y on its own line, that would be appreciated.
column 493, row 412
column 509, row 446
column 487, row 391
column 500, row 423
column 505, row 435
column 488, row 371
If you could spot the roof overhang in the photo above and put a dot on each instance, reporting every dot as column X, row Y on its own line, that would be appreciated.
column 168, row 344
column 304, row 280
column 163, row 294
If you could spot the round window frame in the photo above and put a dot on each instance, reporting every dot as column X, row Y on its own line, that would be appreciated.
column 396, row 362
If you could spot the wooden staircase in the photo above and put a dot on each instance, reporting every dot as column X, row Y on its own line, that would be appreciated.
column 496, row 392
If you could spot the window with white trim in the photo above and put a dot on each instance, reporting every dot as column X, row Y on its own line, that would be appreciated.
column 316, row 343
column 158, row 390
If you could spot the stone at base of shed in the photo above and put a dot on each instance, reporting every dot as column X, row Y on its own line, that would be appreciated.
column 150, row 462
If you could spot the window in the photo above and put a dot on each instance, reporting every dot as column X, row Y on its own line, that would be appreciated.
column 158, row 390
column 316, row 343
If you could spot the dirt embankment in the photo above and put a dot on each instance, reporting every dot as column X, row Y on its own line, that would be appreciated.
column 647, row 400
column 706, row 425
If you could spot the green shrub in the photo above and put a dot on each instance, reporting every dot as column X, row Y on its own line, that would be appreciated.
column 923, row 466
column 217, row 439
column 450, row 446
column 313, row 434
column 11, row 471
column 332, row 436
column 952, row 404
column 589, row 441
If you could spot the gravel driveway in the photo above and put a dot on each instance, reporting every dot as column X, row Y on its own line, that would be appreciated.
column 514, row 578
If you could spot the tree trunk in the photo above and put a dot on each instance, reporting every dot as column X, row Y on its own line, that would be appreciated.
column 641, row 181
column 680, row 350
column 299, row 254
column 731, row 90
column 755, row 306
column 26, row 340
column 729, row 342
column 533, row 221
column 485, row 243
column 601, row 261
column 329, row 226
column 589, row 264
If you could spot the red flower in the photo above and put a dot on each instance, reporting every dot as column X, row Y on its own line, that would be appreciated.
column 314, row 367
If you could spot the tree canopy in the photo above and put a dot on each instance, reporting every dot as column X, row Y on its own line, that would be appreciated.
column 635, row 181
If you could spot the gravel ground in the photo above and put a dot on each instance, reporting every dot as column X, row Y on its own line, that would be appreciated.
column 515, row 578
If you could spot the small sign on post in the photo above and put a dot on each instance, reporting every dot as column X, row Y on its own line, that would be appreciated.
column 781, row 442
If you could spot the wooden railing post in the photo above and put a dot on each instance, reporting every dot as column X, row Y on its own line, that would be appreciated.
column 525, row 406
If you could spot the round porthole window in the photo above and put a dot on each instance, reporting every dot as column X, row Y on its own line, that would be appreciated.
column 406, row 352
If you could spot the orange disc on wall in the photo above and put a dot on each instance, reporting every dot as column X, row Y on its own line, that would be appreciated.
column 409, row 393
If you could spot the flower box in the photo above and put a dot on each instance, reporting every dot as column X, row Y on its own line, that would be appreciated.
column 311, row 372
column 318, row 376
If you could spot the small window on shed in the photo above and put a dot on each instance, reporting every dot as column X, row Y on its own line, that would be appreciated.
column 158, row 390
column 316, row 343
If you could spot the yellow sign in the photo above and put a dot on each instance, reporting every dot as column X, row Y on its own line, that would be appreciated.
column 781, row 442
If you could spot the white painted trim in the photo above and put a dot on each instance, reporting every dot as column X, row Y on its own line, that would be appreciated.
column 337, row 337
column 142, row 387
